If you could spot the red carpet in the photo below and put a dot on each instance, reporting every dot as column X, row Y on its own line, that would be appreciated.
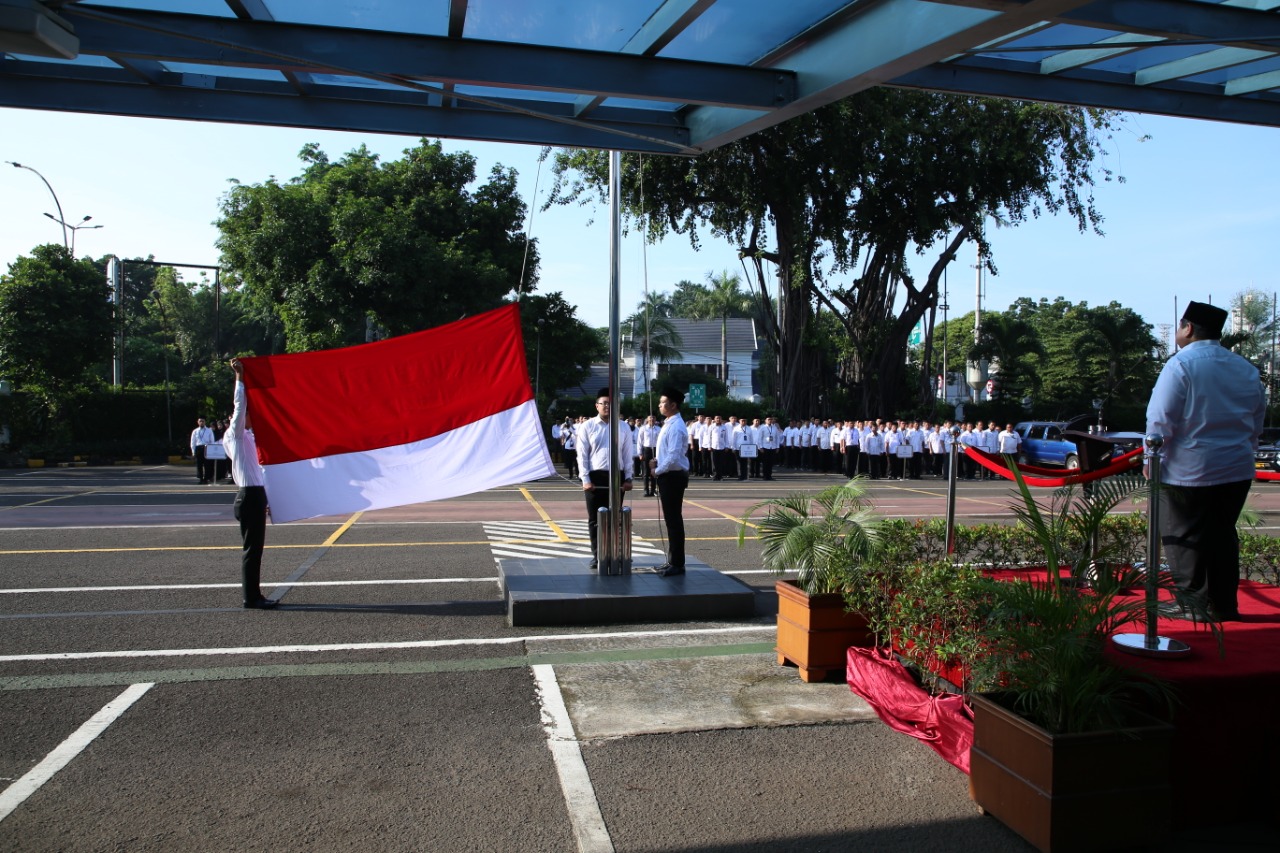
column 1227, row 746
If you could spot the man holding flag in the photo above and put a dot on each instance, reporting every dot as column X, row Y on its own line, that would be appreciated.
column 251, row 500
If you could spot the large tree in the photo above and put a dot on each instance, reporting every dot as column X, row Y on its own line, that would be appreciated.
column 834, row 202
column 55, row 323
column 356, row 243
column 560, row 351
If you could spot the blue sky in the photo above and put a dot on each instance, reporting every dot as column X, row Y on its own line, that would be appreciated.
column 1197, row 216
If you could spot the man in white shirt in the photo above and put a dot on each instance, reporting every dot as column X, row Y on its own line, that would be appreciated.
column 1009, row 440
column 594, row 460
column 737, row 438
column 670, row 467
column 201, row 437
column 770, row 441
column 250, row 507
column 648, row 445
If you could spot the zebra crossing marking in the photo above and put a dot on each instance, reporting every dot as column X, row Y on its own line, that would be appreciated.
column 532, row 540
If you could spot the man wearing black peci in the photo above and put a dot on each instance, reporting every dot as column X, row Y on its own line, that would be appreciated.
column 671, row 469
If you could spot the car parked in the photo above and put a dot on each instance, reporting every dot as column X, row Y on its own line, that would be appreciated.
column 1044, row 444
column 1267, row 456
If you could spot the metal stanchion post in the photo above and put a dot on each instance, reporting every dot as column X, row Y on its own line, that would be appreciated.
column 623, row 551
column 951, row 489
column 605, row 540
column 1151, row 644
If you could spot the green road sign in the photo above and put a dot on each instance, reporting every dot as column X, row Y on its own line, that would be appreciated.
column 697, row 397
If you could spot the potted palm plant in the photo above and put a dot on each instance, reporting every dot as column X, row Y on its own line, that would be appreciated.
column 1066, row 749
column 826, row 539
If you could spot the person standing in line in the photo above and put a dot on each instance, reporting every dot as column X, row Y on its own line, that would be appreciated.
column 250, row 506
column 737, row 439
column 593, row 458
column 671, row 470
column 1010, row 441
column 1208, row 404
column 770, row 440
column 717, row 441
column 852, row 447
column 201, row 437
column 648, row 450
column 569, row 441
column 873, row 450
column 754, row 433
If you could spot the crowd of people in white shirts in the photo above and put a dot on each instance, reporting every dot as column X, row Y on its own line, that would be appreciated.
column 880, row 449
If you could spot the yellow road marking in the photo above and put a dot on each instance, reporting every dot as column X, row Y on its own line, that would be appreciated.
column 719, row 513
column 555, row 528
column 52, row 499
column 341, row 530
column 943, row 496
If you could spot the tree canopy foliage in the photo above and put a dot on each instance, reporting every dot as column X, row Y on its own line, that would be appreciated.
column 836, row 201
column 55, row 322
column 357, row 244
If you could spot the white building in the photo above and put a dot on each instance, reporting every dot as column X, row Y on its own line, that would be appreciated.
column 700, row 349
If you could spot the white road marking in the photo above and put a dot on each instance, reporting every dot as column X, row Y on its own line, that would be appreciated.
column 350, row 647
column 579, row 794
column 17, row 793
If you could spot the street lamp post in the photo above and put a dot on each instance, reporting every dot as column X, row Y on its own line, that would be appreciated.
column 65, row 244
column 73, row 228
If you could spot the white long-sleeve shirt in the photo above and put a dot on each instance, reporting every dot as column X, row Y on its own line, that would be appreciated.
column 240, row 445
column 593, row 449
column 673, row 439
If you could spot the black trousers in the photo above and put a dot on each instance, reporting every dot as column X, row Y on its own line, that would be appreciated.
column 671, row 489
column 203, row 466
column 596, row 498
column 766, row 460
column 1198, row 534
column 251, row 511
column 646, row 454
column 851, row 460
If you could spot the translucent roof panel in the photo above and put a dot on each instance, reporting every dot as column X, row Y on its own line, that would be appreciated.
column 581, row 24
column 666, row 76
column 225, row 71
column 425, row 17
column 734, row 30
column 216, row 8
column 1235, row 72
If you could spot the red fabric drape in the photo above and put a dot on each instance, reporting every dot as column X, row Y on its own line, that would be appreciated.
column 1119, row 465
column 944, row 722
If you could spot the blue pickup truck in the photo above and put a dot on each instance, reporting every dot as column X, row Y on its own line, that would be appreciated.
column 1043, row 444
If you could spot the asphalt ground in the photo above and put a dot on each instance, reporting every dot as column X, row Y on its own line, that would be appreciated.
column 387, row 705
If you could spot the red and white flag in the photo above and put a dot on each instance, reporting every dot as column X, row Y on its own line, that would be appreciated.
column 421, row 417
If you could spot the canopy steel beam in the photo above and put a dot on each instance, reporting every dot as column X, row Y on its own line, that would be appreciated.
column 870, row 46
column 164, row 37
column 411, row 115
column 1182, row 100
column 1182, row 19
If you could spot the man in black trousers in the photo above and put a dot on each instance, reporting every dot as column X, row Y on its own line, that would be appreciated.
column 671, row 469
column 251, row 500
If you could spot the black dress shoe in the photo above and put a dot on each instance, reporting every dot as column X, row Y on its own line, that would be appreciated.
column 666, row 570
column 595, row 565
column 261, row 603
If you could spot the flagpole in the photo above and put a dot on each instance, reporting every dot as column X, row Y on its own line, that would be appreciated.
column 611, row 534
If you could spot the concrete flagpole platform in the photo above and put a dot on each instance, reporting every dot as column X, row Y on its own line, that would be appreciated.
column 565, row 591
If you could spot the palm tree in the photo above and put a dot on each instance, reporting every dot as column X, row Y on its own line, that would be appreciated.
column 653, row 333
column 1009, row 341
column 724, row 299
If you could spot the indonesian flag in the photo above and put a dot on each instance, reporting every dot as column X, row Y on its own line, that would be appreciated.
column 421, row 417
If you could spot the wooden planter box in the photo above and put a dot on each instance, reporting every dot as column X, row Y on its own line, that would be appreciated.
column 814, row 632
column 1071, row 792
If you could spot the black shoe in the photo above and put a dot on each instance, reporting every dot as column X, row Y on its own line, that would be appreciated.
column 595, row 565
column 666, row 570
column 261, row 603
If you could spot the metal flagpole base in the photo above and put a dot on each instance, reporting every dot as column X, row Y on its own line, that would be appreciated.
column 1156, row 647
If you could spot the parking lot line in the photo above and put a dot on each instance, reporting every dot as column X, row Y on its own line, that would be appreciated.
column 575, row 782
column 17, row 793
column 351, row 647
